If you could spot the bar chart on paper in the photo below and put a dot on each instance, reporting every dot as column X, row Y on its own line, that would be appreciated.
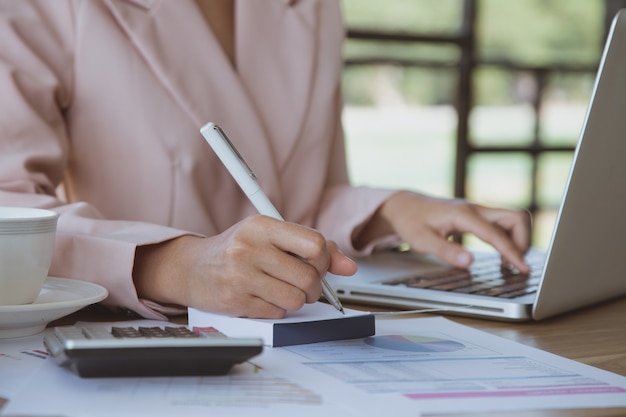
column 435, row 361
column 391, row 347
column 408, row 343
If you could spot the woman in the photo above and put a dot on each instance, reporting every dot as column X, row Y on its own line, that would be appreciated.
column 101, row 107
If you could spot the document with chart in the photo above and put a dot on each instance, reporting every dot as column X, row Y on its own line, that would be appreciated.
column 246, row 390
column 436, row 365
column 412, row 366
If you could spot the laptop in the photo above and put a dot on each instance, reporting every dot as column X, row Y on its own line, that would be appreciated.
column 584, row 263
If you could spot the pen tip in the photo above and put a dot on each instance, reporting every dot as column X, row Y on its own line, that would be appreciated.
column 342, row 312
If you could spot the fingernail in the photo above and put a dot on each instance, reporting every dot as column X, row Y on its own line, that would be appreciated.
column 464, row 258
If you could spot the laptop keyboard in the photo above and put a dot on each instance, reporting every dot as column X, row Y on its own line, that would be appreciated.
column 485, row 277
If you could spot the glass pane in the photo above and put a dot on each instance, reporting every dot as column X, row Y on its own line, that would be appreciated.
column 565, row 102
column 502, row 114
column 496, row 86
column 501, row 125
column 417, row 16
column 500, row 179
column 403, row 147
column 539, row 32
column 552, row 172
column 386, row 85
column 438, row 54
column 543, row 225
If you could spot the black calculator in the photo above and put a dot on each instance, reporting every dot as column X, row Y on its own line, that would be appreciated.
column 103, row 351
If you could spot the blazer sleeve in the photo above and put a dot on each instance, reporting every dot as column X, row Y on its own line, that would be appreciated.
column 36, row 42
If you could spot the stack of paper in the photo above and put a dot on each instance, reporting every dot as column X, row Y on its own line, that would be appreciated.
column 318, row 322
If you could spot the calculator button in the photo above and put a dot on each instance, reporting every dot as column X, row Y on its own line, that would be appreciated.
column 67, row 333
column 180, row 332
column 125, row 332
column 208, row 332
column 153, row 332
column 97, row 332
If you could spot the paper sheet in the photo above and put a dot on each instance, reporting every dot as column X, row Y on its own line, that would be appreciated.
column 316, row 322
column 411, row 366
column 442, row 366
column 246, row 390
column 19, row 358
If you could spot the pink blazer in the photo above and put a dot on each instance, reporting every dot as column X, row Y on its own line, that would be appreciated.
column 100, row 108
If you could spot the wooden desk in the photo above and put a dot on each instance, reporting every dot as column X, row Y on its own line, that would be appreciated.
column 595, row 336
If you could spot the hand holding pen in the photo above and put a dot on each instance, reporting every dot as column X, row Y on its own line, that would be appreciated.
column 246, row 179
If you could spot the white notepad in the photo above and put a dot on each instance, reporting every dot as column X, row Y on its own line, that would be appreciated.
column 317, row 322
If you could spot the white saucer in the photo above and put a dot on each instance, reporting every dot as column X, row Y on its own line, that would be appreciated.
column 58, row 297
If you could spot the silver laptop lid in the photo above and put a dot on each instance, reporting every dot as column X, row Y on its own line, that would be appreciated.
column 588, row 248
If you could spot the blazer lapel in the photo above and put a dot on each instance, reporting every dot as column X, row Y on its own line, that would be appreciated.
column 178, row 45
column 276, row 54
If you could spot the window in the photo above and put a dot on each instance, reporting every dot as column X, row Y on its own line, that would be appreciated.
column 482, row 99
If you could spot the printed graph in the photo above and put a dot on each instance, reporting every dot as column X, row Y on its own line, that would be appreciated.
column 411, row 343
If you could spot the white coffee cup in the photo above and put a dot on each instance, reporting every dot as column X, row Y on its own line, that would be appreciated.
column 27, row 238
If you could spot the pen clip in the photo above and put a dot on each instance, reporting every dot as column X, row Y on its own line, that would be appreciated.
column 234, row 150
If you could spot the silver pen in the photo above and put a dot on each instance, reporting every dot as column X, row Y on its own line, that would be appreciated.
column 246, row 179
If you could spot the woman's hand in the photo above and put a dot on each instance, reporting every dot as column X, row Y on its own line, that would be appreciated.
column 426, row 224
column 260, row 267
